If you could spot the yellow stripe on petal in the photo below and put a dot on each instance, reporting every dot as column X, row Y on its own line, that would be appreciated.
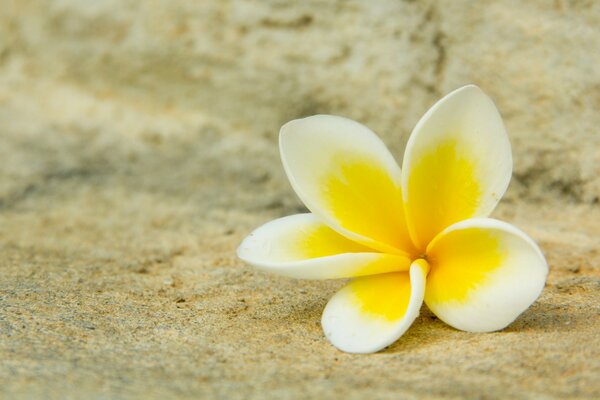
column 444, row 188
column 484, row 273
column 301, row 246
column 372, row 312
column 457, row 164
column 363, row 198
column 345, row 175
column 461, row 261
column 384, row 295
column 316, row 240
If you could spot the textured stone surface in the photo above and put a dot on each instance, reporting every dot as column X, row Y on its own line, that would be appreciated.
column 138, row 146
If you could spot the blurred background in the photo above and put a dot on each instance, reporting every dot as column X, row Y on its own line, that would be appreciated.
column 138, row 146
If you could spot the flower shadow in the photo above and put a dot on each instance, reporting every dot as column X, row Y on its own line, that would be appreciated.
column 426, row 330
column 542, row 316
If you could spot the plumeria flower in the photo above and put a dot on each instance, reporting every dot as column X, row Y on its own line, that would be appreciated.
column 403, row 236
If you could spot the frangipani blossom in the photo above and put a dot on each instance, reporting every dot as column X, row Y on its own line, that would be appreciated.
column 403, row 236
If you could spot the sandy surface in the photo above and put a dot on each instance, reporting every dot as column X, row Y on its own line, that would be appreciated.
column 138, row 146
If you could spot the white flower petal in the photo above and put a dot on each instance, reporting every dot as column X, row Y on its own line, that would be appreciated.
column 345, row 175
column 457, row 163
column 300, row 246
column 372, row 312
column 484, row 273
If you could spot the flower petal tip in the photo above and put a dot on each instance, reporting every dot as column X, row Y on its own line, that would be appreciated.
column 485, row 273
column 372, row 312
column 301, row 246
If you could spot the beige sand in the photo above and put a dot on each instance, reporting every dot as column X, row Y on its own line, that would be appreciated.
column 138, row 146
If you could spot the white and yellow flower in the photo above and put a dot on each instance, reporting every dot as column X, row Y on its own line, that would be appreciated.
column 420, row 234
